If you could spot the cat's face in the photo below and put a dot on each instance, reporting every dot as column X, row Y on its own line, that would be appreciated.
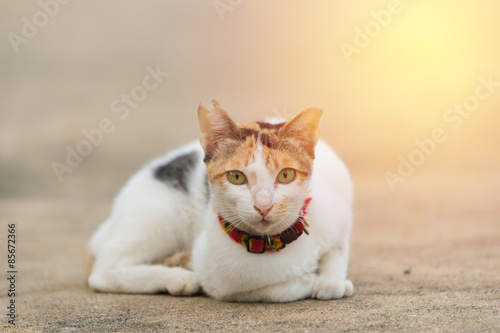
column 259, row 173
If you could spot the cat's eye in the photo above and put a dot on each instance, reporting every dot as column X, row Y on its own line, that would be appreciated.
column 286, row 176
column 236, row 177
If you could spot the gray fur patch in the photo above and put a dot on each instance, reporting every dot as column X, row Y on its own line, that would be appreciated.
column 177, row 172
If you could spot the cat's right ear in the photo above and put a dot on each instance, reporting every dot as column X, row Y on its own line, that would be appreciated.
column 217, row 128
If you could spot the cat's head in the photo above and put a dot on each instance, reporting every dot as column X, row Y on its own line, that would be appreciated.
column 259, row 173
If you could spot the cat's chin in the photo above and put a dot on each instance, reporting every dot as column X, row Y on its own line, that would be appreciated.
column 265, row 227
column 262, row 226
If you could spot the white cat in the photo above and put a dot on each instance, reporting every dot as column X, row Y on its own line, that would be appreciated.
column 267, row 217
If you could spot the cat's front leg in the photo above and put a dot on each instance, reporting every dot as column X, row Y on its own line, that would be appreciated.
column 331, row 282
column 288, row 291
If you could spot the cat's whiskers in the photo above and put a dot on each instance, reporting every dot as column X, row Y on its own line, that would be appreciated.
column 238, row 221
column 234, row 218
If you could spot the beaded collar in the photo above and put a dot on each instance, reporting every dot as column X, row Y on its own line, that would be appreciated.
column 274, row 243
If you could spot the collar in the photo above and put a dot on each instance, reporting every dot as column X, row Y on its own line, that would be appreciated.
column 261, row 244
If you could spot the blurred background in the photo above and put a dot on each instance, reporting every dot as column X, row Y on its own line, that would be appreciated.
column 385, row 72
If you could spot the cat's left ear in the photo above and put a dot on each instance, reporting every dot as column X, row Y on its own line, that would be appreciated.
column 217, row 128
column 303, row 129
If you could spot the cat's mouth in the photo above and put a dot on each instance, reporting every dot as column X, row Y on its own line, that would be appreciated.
column 265, row 222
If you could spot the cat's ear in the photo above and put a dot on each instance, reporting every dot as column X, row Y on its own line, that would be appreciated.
column 217, row 128
column 303, row 129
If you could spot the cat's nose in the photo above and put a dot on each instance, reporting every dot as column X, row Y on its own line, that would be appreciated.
column 263, row 211
column 263, row 201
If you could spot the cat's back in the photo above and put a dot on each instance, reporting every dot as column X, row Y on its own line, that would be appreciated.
column 180, row 173
column 166, row 196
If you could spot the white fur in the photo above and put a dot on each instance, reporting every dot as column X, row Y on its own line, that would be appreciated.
column 151, row 220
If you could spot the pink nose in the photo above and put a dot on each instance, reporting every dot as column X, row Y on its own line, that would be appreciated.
column 263, row 211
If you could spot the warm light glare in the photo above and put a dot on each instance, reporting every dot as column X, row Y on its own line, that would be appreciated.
column 432, row 53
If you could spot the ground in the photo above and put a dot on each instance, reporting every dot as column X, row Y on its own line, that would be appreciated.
column 416, row 266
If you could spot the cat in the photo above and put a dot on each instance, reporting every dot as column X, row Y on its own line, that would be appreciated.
column 264, row 208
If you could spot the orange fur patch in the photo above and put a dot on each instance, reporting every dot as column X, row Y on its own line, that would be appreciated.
column 278, row 153
column 89, row 265
column 180, row 259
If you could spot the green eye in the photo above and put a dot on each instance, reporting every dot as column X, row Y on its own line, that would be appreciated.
column 236, row 177
column 286, row 176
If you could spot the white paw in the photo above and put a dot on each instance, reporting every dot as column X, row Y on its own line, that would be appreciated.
column 331, row 289
column 349, row 288
column 182, row 283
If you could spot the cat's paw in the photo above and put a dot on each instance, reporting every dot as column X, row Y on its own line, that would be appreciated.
column 182, row 283
column 326, row 289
